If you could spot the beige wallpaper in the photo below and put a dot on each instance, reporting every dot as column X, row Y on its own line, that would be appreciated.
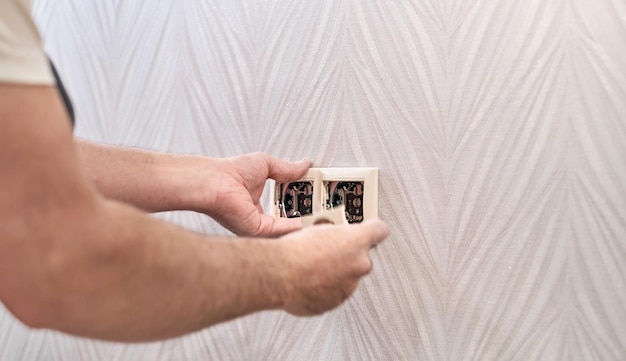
column 499, row 127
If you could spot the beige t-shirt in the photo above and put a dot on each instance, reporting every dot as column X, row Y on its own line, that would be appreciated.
column 22, row 58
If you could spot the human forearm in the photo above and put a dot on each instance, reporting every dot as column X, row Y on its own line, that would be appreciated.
column 141, row 279
column 149, row 180
column 226, row 189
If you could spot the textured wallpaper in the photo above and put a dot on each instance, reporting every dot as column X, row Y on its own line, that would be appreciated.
column 499, row 127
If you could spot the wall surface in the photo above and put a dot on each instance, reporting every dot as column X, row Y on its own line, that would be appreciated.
column 499, row 127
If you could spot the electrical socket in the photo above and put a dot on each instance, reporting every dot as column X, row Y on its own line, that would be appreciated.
column 323, row 189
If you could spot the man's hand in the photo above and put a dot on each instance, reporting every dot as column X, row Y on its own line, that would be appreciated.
column 227, row 189
column 234, row 187
column 325, row 264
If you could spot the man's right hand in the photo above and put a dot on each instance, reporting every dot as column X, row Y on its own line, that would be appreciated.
column 325, row 263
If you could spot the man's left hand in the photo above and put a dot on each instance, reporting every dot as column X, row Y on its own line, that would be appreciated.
column 232, row 193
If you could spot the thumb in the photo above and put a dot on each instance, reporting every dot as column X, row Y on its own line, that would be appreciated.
column 373, row 231
column 284, row 171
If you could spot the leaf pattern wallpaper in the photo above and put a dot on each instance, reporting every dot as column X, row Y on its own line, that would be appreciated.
column 498, row 126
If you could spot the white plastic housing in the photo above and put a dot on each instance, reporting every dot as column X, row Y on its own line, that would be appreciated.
column 321, row 176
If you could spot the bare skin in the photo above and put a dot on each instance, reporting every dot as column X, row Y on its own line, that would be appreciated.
column 73, row 260
column 168, row 182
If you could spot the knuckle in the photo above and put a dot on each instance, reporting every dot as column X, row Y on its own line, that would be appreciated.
column 262, row 230
column 257, row 156
column 364, row 266
column 349, row 289
column 263, row 155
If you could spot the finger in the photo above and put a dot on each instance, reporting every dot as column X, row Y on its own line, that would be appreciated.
column 373, row 231
column 259, row 208
column 362, row 266
column 274, row 227
column 283, row 171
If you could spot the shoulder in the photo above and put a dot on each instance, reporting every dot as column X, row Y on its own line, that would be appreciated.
column 22, row 58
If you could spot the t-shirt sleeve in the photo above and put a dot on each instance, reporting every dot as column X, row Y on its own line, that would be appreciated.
column 22, row 58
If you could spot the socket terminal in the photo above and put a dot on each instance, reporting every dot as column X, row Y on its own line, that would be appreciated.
column 349, row 194
column 295, row 199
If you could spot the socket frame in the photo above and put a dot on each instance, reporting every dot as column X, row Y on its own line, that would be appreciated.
column 322, row 177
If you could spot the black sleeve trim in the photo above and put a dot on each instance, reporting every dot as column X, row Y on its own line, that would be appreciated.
column 64, row 95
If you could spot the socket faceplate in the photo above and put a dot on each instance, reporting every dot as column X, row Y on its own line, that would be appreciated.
column 323, row 189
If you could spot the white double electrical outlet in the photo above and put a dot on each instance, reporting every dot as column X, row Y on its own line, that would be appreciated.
column 324, row 190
